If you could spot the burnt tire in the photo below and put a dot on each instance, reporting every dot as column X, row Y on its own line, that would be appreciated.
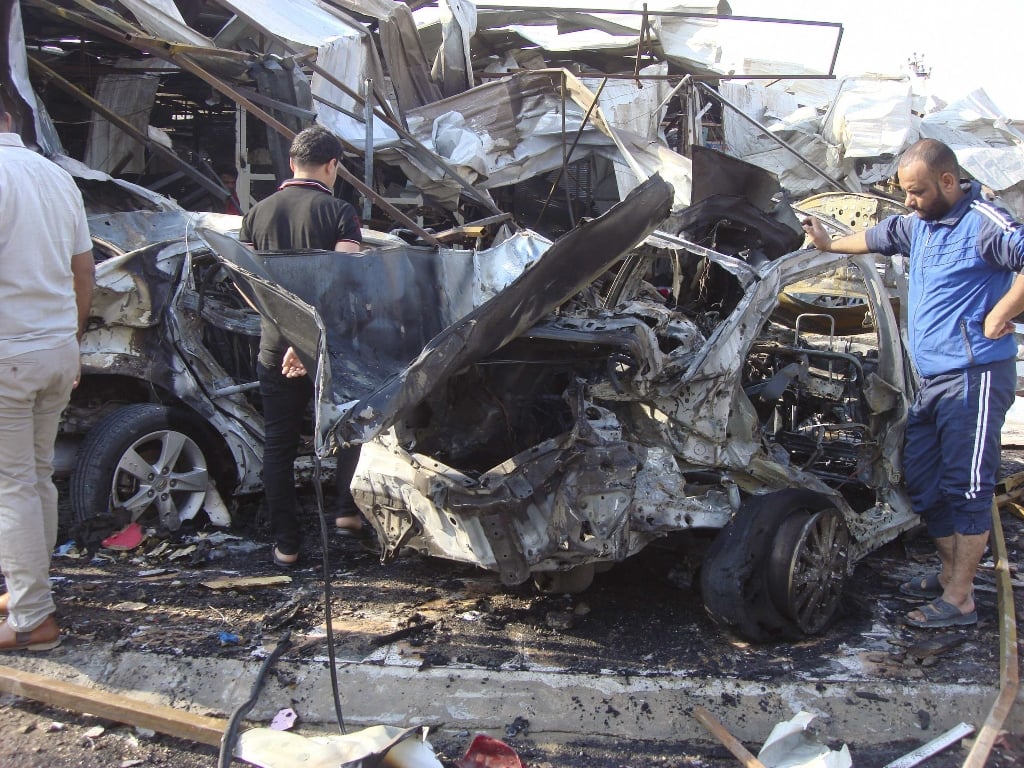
column 744, row 578
column 808, row 566
column 143, row 462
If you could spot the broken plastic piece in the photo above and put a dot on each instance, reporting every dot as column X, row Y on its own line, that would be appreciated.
column 215, row 507
column 126, row 539
column 488, row 752
column 268, row 748
column 228, row 638
column 791, row 745
column 284, row 720
column 933, row 747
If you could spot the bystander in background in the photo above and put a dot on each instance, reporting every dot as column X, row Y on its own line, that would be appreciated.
column 46, row 280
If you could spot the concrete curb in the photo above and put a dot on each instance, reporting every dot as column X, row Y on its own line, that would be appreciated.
column 556, row 703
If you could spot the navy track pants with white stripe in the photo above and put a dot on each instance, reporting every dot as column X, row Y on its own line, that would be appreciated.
column 952, row 451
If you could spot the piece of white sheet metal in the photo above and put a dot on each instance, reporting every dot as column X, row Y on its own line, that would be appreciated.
column 933, row 747
column 161, row 18
column 350, row 60
column 298, row 21
column 453, row 66
column 549, row 39
column 131, row 97
column 871, row 117
column 633, row 106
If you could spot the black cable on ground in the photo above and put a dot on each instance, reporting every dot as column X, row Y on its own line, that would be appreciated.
column 227, row 742
column 318, row 486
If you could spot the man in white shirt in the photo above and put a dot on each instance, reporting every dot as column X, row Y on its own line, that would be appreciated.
column 46, row 280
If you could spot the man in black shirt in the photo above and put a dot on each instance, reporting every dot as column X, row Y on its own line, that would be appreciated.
column 302, row 214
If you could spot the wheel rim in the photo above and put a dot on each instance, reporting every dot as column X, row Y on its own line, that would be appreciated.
column 808, row 568
column 163, row 470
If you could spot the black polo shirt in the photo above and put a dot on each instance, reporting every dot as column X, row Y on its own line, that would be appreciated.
column 303, row 214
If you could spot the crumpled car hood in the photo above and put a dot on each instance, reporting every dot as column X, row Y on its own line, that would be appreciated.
column 317, row 300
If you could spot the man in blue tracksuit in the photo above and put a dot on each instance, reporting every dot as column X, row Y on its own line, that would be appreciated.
column 964, row 254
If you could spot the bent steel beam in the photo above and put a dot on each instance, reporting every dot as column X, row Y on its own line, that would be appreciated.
column 177, row 55
column 716, row 95
column 200, row 178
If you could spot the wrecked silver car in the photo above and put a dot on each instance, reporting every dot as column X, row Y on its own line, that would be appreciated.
column 161, row 425
column 617, row 393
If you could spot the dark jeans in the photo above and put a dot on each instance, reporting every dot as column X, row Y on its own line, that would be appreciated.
column 284, row 407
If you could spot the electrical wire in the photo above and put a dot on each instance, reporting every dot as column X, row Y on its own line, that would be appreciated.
column 318, row 486
column 227, row 742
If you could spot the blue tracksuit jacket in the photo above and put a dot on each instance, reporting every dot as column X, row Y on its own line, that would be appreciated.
column 960, row 266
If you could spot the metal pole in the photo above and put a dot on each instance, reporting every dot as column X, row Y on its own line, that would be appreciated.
column 715, row 94
column 565, row 157
column 564, row 172
column 368, row 151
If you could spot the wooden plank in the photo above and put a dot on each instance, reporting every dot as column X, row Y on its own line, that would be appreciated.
column 729, row 741
column 1009, row 667
column 471, row 228
column 1010, row 491
column 113, row 706
column 247, row 581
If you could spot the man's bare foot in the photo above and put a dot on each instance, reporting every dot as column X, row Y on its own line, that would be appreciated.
column 42, row 638
column 282, row 560
column 349, row 523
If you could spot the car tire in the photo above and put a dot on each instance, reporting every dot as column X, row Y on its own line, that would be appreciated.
column 745, row 580
column 808, row 565
column 143, row 462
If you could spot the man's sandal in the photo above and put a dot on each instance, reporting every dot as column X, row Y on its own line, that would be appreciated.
column 926, row 587
column 360, row 532
column 45, row 637
column 938, row 613
column 279, row 562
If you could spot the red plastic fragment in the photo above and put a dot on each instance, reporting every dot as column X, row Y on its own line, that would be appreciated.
column 487, row 752
column 128, row 538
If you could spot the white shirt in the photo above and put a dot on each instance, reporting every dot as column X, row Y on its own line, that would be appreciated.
column 42, row 224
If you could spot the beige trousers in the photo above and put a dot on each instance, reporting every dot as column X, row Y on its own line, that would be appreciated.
column 34, row 390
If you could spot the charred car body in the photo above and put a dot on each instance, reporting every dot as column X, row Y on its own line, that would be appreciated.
column 585, row 411
column 160, row 427
column 166, row 422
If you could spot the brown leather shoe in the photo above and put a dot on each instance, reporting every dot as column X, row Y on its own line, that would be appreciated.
column 5, row 598
column 42, row 638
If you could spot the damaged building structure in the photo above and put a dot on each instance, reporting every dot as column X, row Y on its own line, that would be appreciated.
column 541, row 113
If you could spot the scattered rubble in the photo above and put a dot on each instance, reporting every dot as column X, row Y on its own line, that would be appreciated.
column 657, row 639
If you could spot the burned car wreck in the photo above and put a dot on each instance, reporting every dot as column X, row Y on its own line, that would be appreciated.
column 161, row 426
column 629, row 385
